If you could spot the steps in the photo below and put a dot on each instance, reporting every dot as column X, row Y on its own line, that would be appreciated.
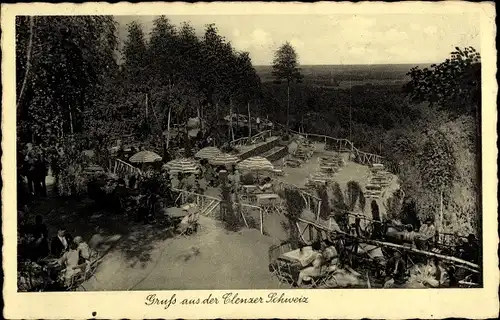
column 275, row 153
column 249, row 151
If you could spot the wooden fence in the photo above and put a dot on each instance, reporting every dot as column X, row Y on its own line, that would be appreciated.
column 208, row 206
column 244, row 141
column 342, row 145
column 123, row 169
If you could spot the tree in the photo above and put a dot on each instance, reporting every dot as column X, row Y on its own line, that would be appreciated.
column 135, row 53
column 295, row 205
column 454, row 84
column 64, row 73
column 163, row 52
column 285, row 68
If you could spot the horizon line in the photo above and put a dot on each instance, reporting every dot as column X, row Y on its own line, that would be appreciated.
column 351, row 64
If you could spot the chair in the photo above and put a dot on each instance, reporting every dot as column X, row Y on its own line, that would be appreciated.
column 90, row 268
column 284, row 277
column 189, row 224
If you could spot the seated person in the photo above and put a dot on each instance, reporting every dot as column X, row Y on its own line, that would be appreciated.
column 427, row 230
column 83, row 250
column 200, row 185
column 190, row 221
column 174, row 182
column 331, row 256
column 315, row 270
column 410, row 236
column 161, row 209
column 60, row 243
column 469, row 251
column 395, row 269
column 266, row 185
column 69, row 261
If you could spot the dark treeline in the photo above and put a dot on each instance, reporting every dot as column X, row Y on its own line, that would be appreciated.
column 69, row 81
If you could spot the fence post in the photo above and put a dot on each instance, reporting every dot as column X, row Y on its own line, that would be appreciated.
column 261, row 221
column 318, row 211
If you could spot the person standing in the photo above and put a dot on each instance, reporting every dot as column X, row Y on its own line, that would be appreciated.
column 29, row 163
column 40, row 234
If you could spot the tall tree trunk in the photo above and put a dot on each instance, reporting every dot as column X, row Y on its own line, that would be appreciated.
column 231, row 132
column 168, row 125
column 249, row 121
column 287, row 106
column 237, row 117
column 440, row 225
column 70, row 121
column 28, row 65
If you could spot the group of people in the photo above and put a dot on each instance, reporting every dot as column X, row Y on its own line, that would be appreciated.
column 324, row 258
column 65, row 255
column 33, row 164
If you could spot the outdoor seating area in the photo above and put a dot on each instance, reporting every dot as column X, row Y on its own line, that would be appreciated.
column 61, row 263
column 379, row 180
column 307, row 267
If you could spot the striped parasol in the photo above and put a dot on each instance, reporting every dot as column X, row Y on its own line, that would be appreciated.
column 224, row 159
column 207, row 153
column 255, row 164
column 144, row 157
column 183, row 165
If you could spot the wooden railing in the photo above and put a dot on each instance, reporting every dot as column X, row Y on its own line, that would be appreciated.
column 314, row 230
column 123, row 169
column 208, row 206
column 245, row 208
column 361, row 157
column 316, row 227
column 261, row 136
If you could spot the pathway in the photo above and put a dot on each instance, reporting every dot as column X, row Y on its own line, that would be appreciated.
column 212, row 258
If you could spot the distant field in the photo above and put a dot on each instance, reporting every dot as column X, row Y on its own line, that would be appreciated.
column 344, row 76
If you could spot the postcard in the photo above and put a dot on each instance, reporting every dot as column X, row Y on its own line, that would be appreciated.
column 249, row 160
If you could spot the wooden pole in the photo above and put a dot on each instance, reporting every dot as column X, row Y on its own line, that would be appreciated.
column 231, row 132
column 261, row 221
column 440, row 226
column 168, row 125
column 28, row 64
column 288, row 107
column 249, row 121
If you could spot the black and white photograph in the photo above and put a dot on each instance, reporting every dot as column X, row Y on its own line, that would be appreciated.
column 250, row 151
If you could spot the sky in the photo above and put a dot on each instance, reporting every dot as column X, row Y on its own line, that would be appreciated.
column 338, row 39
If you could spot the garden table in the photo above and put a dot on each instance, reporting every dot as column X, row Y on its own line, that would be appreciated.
column 304, row 257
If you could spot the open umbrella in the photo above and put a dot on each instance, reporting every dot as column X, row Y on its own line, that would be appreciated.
column 183, row 165
column 207, row 153
column 255, row 164
column 224, row 159
column 145, row 157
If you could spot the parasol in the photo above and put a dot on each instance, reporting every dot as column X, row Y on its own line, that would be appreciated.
column 144, row 157
column 207, row 153
column 183, row 165
column 255, row 164
column 224, row 159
